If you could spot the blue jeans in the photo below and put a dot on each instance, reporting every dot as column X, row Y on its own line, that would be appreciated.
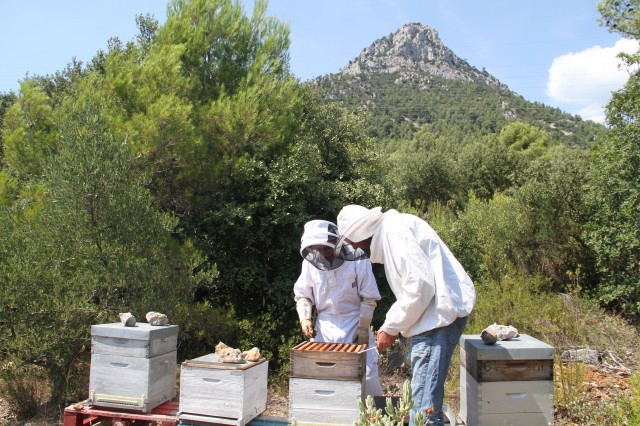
column 431, row 354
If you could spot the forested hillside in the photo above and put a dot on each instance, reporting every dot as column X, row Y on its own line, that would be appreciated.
column 399, row 104
column 175, row 172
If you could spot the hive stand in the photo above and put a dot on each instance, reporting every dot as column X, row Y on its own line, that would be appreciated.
column 81, row 414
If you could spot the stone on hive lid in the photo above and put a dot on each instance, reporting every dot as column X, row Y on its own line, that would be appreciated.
column 252, row 354
column 228, row 354
column 127, row 319
column 496, row 332
column 157, row 318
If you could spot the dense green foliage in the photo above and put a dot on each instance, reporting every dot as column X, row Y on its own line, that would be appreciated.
column 175, row 172
column 614, row 197
column 6, row 100
column 613, row 190
column 80, row 243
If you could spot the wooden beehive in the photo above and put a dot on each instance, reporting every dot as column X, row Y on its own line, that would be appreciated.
column 222, row 393
column 510, row 382
column 132, row 367
column 332, row 361
column 326, row 382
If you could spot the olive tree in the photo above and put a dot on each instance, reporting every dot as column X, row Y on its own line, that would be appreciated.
column 82, row 243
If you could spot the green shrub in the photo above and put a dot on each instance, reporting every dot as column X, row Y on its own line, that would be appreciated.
column 394, row 415
column 484, row 237
column 201, row 327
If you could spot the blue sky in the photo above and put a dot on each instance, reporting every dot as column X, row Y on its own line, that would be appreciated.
column 549, row 51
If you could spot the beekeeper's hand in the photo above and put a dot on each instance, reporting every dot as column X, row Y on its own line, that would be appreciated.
column 362, row 336
column 385, row 341
column 303, row 306
column 307, row 328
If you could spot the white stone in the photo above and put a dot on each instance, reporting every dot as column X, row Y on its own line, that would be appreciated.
column 252, row 354
column 157, row 318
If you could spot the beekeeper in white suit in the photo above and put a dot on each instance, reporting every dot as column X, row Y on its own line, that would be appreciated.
column 344, row 292
column 434, row 295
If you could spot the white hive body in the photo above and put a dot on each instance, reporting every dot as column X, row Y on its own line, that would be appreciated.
column 132, row 367
column 215, row 392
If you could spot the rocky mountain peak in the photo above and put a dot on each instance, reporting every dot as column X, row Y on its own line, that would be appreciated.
column 416, row 48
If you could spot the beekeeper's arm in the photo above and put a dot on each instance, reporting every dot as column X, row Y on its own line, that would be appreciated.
column 304, row 308
column 369, row 296
column 367, row 306
column 411, row 279
column 303, row 295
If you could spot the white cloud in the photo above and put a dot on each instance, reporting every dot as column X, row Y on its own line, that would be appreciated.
column 584, row 80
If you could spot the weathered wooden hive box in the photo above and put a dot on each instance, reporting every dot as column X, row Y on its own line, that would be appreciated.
column 132, row 367
column 326, row 381
column 508, row 383
column 213, row 392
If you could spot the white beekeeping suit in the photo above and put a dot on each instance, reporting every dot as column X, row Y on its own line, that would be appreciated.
column 344, row 292
column 431, row 286
column 434, row 295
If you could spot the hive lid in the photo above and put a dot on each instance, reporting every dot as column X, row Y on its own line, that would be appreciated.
column 518, row 348
column 212, row 361
column 141, row 331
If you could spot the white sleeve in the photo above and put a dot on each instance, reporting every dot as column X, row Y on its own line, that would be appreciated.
column 367, row 286
column 303, row 287
column 410, row 276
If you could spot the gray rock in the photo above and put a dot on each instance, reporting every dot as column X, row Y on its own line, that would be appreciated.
column 588, row 356
column 127, row 319
column 496, row 332
column 234, row 356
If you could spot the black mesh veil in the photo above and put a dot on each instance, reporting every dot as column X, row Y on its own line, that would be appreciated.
column 319, row 246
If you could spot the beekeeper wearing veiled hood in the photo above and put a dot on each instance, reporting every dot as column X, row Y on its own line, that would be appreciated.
column 344, row 292
column 434, row 294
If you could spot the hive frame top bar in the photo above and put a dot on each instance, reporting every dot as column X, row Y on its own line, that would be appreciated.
column 329, row 347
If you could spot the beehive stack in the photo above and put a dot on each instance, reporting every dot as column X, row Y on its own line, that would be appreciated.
column 510, row 382
column 325, row 383
column 132, row 367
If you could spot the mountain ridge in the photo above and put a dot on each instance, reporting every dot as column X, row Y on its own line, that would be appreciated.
column 416, row 47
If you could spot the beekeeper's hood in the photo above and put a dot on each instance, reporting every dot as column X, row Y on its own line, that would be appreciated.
column 325, row 233
column 357, row 223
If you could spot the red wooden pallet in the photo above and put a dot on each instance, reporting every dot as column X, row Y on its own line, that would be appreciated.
column 82, row 414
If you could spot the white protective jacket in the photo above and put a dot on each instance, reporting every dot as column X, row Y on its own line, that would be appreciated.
column 431, row 287
column 337, row 295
